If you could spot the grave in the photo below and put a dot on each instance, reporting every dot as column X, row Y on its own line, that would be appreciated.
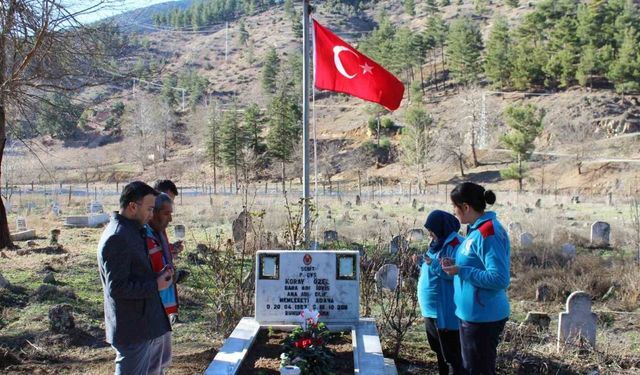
column 577, row 325
column 514, row 229
column 543, row 293
column 22, row 233
column 540, row 320
column 95, row 217
column 55, row 209
column 600, row 232
column 330, row 236
column 526, row 240
column 398, row 243
column 289, row 282
column 179, row 231
column 95, row 207
column 415, row 235
column 387, row 277
column 568, row 251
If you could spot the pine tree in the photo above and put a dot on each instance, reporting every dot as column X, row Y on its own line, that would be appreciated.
column 168, row 92
column 625, row 70
column 233, row 141
column 270, row 70
column 243, row 34
column 587, row 65
column 415, row 138
column 284, row 129
column 497, row 66
column 410, row 7
column 463, row 51
column 213, row 146
column 253, row 126
column 526, row 125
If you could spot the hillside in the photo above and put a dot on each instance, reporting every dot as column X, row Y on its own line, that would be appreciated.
column 596, row 128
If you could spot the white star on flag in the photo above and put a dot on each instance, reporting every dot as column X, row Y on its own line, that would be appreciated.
column 366, row 68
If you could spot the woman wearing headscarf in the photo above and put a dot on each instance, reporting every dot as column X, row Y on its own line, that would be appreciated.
column 435, row 292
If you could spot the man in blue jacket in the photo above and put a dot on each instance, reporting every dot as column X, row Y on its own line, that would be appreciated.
column 133, row 312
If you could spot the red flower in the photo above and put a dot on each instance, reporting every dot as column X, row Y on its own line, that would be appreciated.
column 303, row 343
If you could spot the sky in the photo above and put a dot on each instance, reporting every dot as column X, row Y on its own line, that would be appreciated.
column 114, row 7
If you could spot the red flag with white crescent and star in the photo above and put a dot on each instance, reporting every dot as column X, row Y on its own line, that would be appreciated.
column 339, row 67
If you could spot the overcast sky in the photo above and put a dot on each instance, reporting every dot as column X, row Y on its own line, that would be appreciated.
column 114, row 7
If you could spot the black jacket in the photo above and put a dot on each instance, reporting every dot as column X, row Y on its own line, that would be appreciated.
column 133, row 311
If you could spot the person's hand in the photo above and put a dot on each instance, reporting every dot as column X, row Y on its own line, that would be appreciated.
column 428, row 260
column 178, row 246
column 451, row 270
column 164, row 277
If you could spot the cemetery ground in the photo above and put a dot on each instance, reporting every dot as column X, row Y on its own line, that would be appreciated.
column 218, row 292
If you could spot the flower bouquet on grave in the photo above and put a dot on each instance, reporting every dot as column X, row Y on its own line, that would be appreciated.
column 306, row 346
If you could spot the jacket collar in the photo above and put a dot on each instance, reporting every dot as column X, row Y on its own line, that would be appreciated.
column 488, row 215
column 451, row 238
column 130, row 223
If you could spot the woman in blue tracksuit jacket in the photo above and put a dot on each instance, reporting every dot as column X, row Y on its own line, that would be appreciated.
column 482, row 276
column 435, row 292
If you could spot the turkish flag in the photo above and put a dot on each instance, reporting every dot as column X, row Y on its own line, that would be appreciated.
column 339, row 67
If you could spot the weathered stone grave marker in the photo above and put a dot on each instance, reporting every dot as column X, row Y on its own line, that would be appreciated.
column 330, row 236
column 526, row 240
column 21, row 224
column 577, row 325
column 239, row 229
column 515, row 229
column 95, row 207
column 398, row 243
column 568, row 251
column 543, row 293
column 55, row 209
column 179, row 231
column 387, row 277
column 415, row 235
column 540, row 320
column 600, row 232
column 22, row 233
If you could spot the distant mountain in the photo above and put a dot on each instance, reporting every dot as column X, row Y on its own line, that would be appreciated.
column 139, row 20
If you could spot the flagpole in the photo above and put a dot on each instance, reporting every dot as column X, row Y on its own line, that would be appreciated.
column 305, row 120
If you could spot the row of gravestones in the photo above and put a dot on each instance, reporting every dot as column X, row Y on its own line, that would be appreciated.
column 397, row 242
column 600, row 233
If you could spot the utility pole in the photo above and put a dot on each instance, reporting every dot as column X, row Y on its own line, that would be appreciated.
column 226, row 41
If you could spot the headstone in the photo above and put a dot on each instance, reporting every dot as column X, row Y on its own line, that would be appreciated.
column 95, row 207
column 61, row 318
column 414, row 204
column 347, row 205
column 55, row 209
column 287, row 282
column 415, row 235
column 49, row 278
column 358, row 200
column 540, row 320
column 290, row 370
column 21, row 224
column 421, row 209
column 330, row 236
column 55, row 235
column 600, row 232
column 577, row 325
column 179, row 231
column 398, row 243
column 568, row 251
column 515, row 229
column 543, row 293
column 3, row 282
column 240, row 227
column 387, row 277
column 526, row 240
column 538, row 203
column 575, row 199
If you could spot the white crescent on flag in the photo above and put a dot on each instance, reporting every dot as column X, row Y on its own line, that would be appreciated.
column 338, row 62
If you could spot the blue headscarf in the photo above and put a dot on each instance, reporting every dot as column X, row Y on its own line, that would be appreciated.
column 442, row 224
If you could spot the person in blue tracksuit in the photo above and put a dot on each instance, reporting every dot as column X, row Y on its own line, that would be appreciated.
column 435, row 292
column 482, row 276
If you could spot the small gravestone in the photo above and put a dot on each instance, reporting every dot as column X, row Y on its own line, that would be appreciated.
column 387, row 277
column 49, row 278
column 414, row 204
column 55, row 209
column 577, row 325
column 515, row 229
column 95, row 207
column 538, row 203
column 358, row 200
column 526, row 240
column 421, row 209
column 540, row 320
column 364, row 217
column 347, row 205
column 61, row 318
column 330, row 236
column 240, row 227
column 600, row 232
column 4, row 283
column 21, row 224
column 179, row 231
column 575, row 199
column 543, row 293
column 610, row 195
column 346, row 216
column 55, row 234
column 375, row 215
column 398, row 243
column 568, row 251
column 415, row 235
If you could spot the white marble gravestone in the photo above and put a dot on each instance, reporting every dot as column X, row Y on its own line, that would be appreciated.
column 577, row 325
column 95, row 207
column 179, row 231
column 21, row 224
column 526, row 240
column 55, row 209
column 387, row 277
column 600, row 232
column 287, row 282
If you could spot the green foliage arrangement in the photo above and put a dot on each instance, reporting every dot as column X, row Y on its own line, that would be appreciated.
column 306, row 348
